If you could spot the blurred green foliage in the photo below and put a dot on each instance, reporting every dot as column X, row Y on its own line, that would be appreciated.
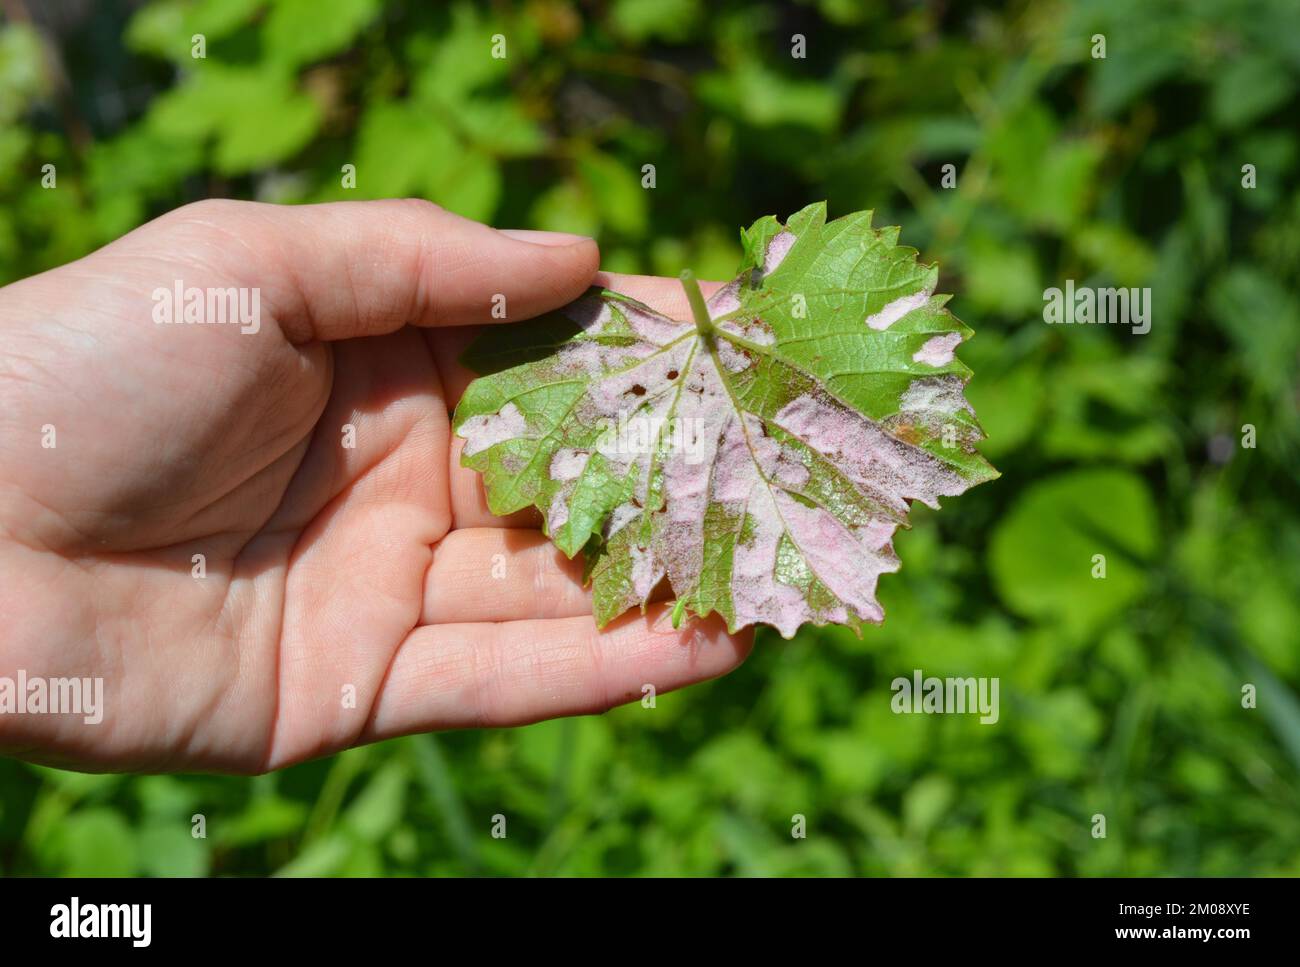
column 1119, row 696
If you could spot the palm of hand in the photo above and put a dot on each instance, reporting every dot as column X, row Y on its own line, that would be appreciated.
column 263, row 542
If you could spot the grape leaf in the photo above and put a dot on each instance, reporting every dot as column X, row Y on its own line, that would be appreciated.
column 761, row 457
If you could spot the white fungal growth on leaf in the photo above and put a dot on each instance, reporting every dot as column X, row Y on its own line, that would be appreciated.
column 483, row 432
column 938, row 350
column 777, row 250
column 896, row 310
column 567, row 463
column 760, row 458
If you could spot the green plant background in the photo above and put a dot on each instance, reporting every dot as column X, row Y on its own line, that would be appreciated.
column 1119, row 696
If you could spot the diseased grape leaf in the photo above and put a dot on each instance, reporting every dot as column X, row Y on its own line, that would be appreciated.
column 761, row 460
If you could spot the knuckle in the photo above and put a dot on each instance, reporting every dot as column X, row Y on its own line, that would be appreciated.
column 207, row 209
column 419, row 207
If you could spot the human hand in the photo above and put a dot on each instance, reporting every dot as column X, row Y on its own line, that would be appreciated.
column 309, row 459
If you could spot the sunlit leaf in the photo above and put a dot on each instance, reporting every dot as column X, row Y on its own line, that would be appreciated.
column 761, row 458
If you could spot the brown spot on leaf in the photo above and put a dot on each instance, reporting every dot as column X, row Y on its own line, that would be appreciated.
column 907, row 433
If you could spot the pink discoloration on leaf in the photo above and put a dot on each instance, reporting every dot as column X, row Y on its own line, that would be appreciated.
column 483, row 432
column 567, row 464
column 752, row 330
column 757, row 593
column 646, row 571
column 938, row 350
column 885, row 468
column 652, row 327
column 939, row 395
column 724, row 300
column 848, row 561
column 734, row 358
column 763, row 466
column 558, row 515
column 896, row 310
column 777, row 250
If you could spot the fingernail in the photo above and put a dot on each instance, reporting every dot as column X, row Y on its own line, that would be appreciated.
column 542, row 238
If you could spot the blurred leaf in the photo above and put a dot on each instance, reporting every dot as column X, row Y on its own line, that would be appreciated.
column 641, row 20
column 1059, row 733
column 402, row 150
column 257, row 116
column 378, row 809
column 1263, row 321
column 398, row 147
column 170, row 850
column 1100, row 400
column 165, row 797
column 1247, row 88
column 1008, row 394
column 1002, row 277
column 759, row 96
column 166, row 28
column 1273, row 153
column 1144, row 47
column 96, row 842
column 459, row 60
column 567, row 207
column 499, row 127
column 1042, row 551
column 141, row 160
column 925, row 803
column 1122, row 256
column 440, row 787
column 616, row 192
column 265, row 818
column 1279, row 707
column 23, row 72
column 298, row 32
column 325, row 857
column 471, row 186
column 1043, row 176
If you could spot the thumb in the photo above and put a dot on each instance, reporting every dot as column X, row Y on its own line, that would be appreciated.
column 365, row 268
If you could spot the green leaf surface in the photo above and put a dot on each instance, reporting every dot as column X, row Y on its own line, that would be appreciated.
column 761, row 458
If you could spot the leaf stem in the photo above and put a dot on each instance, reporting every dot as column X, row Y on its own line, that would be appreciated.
column 703, row 324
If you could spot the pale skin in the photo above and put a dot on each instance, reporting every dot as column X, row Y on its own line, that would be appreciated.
column 375, row 568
